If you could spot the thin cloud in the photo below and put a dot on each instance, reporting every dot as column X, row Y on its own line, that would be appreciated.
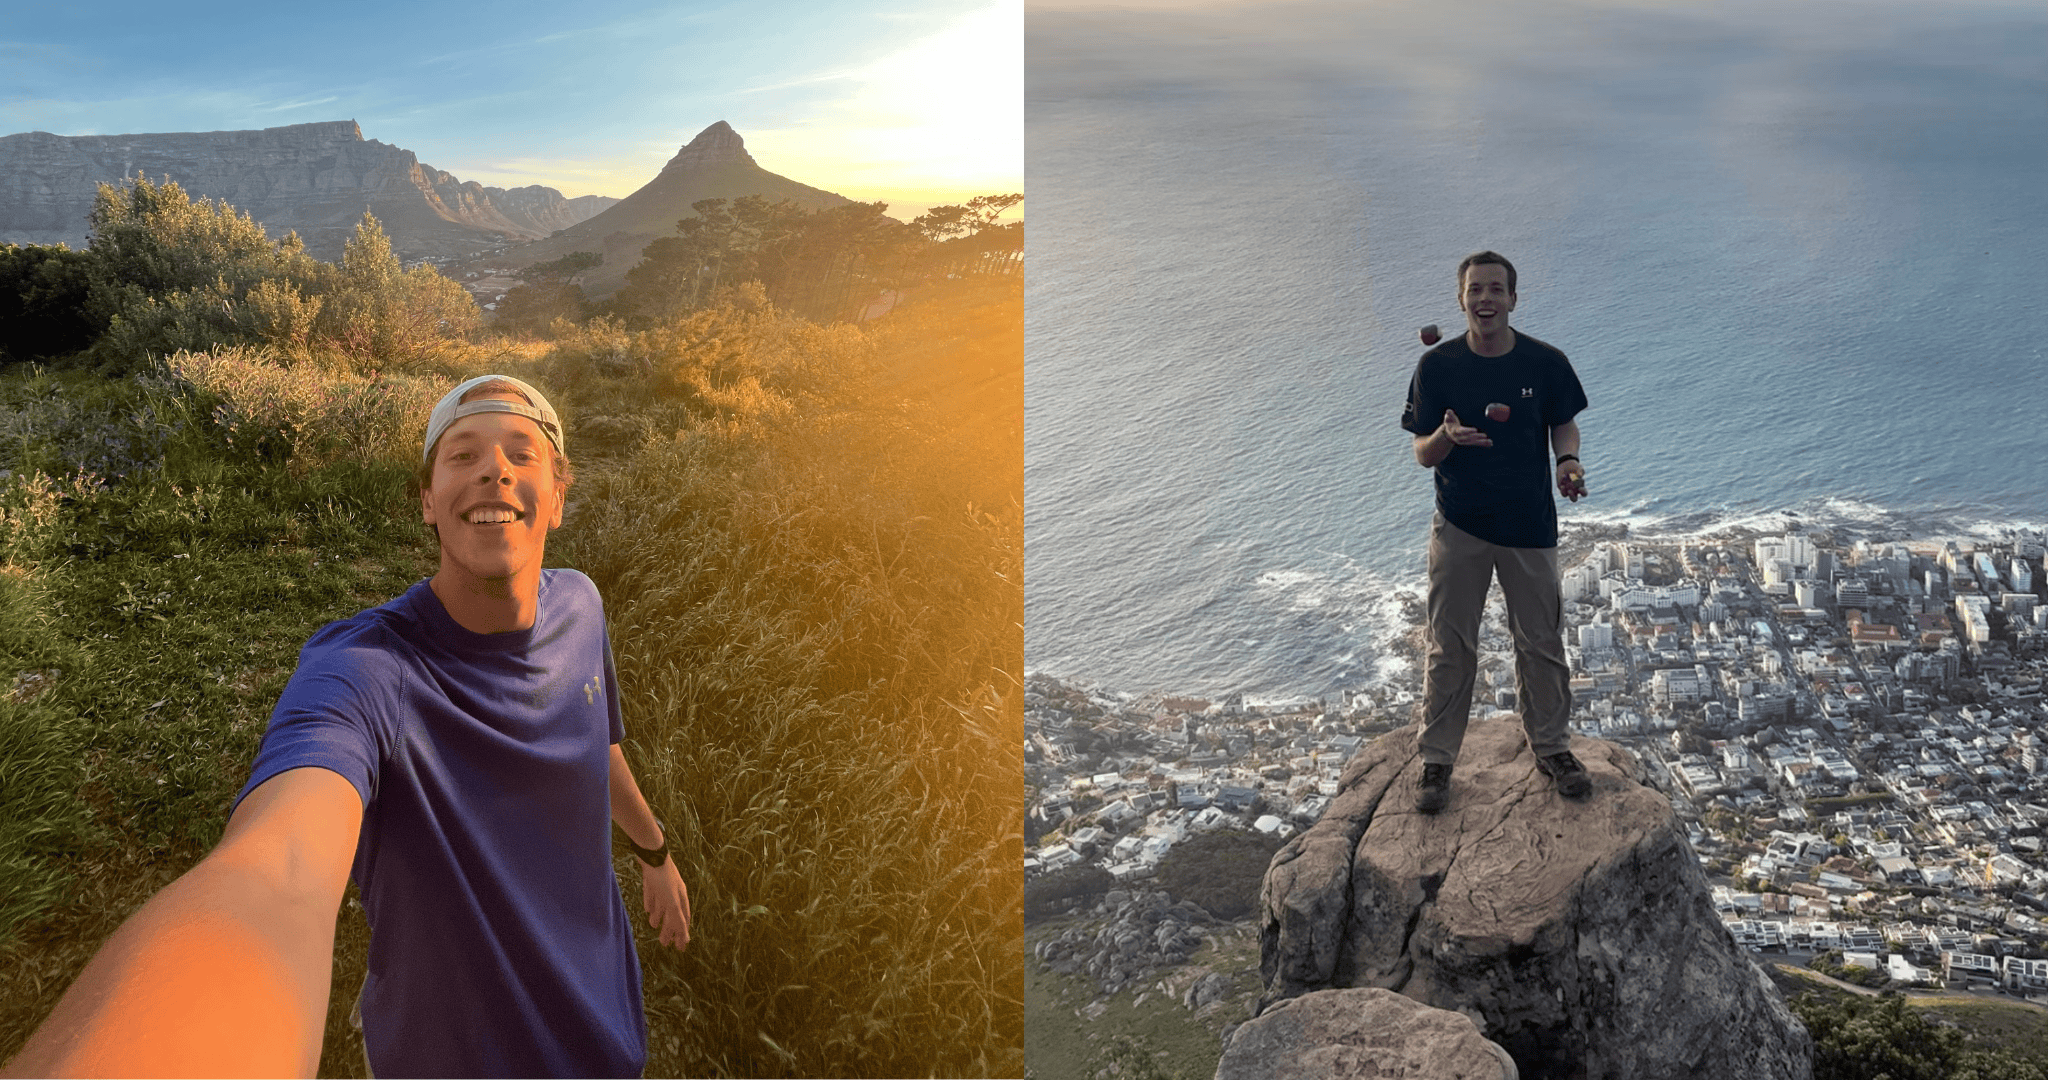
column 298, row 104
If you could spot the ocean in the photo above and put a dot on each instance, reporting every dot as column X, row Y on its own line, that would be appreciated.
column 1797, row 252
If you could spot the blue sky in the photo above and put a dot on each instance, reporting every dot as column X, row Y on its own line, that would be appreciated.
column 915, row 102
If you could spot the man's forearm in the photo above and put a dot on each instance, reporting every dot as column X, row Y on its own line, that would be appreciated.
column 629, row 808
column 1564, row 439
column 220, row 974
column 1433, row 448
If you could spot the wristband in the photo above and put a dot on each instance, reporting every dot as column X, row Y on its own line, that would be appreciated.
column 1562, row 458
column 653, row 857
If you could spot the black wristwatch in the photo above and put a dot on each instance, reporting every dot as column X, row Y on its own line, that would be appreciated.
column 1562, row 458
column 652, row 857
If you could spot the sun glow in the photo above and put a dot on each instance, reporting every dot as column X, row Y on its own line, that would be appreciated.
column 939, row 121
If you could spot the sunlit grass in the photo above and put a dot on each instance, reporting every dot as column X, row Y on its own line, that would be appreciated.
column 817, row 611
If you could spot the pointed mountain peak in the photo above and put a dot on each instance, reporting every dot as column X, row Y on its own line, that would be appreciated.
column 718, row 144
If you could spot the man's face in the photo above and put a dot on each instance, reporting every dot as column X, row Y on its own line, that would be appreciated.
column 494, row 495
column 1485, row 298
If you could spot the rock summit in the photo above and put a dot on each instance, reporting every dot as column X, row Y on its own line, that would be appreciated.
column 1577, row 934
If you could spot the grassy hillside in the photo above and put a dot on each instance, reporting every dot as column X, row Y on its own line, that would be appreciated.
column 1072, row 1034
column 812, row 574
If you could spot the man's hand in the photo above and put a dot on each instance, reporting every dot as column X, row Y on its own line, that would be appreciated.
column 668, row 902
column 1571, row 480
column 1460, row 435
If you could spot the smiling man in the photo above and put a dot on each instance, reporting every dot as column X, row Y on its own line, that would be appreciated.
column 456, row 752
column 1487, row 410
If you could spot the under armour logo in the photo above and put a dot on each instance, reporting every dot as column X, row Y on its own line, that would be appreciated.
column 592, row 688
column 1528, row 391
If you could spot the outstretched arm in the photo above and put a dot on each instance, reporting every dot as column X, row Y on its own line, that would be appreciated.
column 226, row 971
column 661, row 887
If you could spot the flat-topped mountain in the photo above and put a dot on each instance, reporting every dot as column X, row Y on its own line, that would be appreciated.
column 314, row 179
column 714, row 165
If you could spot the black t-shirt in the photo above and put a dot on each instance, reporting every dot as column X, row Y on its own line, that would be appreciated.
column 1499, row 493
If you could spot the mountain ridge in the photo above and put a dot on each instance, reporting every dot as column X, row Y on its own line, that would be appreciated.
column 713, row 165
column 316, row 179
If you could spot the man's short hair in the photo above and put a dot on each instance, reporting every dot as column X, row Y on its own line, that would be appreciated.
column 1493, row 257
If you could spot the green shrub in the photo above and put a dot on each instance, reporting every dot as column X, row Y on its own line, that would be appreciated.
column 305, row 416
column 44, row 302
column 1222, row 871
column 1862, row 1038
column 379, row 314
column 1049, row 893
column 172, row 275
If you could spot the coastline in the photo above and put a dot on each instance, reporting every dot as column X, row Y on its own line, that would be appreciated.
column 1400, row 647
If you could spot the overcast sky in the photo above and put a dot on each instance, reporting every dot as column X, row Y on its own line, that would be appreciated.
column 913, row 102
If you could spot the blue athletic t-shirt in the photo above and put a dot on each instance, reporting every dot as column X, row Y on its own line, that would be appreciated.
column 499, row 944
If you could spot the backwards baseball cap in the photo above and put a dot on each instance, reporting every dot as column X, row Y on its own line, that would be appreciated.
column 453, row 408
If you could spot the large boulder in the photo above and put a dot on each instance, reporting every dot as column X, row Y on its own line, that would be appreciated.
column 1579, row 934
column 1361, row 1035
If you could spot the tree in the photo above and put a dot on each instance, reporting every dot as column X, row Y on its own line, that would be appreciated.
column 551, row 292
column 968, row 239
column 169, row 273
column 380, row 313
column 45, row 297
column 1859, row 1038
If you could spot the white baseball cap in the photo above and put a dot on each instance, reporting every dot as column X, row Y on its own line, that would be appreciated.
column 453, row 408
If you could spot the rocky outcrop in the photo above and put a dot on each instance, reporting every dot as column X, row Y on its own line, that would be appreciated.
column 1580, row 935
column 1142, row 935
column 313, row 179
column 542, row 211
column 1362, row 1034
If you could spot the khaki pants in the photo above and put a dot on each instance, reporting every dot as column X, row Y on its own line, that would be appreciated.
column 1461, row 569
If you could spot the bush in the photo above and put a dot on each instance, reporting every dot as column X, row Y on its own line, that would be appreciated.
column 171, row 275
column 168, row 273
column 379, row 314
column 306, row 417
column 44, row 296
column 1221, row 871
column 1048, row 894
column 67, row 424
column 1859, row 1038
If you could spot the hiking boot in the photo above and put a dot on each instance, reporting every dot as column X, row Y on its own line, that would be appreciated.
column 1572, row 778
column 1434, row 792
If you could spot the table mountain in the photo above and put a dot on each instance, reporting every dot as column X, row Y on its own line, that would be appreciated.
column 315, row 179
column 1579, row 935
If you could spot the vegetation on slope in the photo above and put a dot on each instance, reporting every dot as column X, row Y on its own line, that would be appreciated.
column 809, row 543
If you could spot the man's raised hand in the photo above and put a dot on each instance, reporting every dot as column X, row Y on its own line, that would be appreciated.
column 1460, row 435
